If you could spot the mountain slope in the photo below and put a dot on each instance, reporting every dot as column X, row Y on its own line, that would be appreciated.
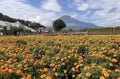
column 76, row 24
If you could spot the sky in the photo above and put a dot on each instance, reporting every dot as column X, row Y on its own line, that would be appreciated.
column 100, row 12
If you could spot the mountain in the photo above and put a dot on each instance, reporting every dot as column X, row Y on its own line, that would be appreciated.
column 72, row 23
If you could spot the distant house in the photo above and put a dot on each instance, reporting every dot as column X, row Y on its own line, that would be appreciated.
column 43, row 29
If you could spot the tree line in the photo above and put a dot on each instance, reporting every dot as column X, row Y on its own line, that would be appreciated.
column 30, row 24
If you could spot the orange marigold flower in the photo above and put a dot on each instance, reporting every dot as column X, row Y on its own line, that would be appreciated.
column 23, row 78
column 73, row 50
column 87, row 67
column 118, row 77
column 93, row 64
column 69, row 56
column 114, row 60
column 106, row 74
column 75, row 64
column 63, row 64
column 41, row 63
column 42, row 76
column 45, row 70
column 110, row 64
column 73, row 69
column 56, row 74
column 80, row 65
column 19, row 65
column 65, row 71
column 80, row 75
column 19, row 72
column 11, row 71
column 29, row 76
column 101, row 77
column 73, row 76
column 117, row 70
column 2, row 61
column 52, row 65
column 48, row 77
column 54, row 69
column 88, row 74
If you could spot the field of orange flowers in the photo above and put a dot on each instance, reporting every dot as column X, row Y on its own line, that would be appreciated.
column 60, row 57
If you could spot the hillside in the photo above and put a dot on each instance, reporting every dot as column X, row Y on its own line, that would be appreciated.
column 30, row 24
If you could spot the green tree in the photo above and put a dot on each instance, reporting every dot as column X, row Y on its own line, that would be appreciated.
column 58, row 25
column 20, row 30
column 13, row 30
column 16, row 30
column 70, row 30
column 4, row 30
column 63, row 31
column 27, row 31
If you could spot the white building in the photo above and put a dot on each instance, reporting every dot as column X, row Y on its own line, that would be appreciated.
column 16, row 24
column 43, row 29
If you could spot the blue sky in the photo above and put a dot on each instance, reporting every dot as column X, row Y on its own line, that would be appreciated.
column 100, row 12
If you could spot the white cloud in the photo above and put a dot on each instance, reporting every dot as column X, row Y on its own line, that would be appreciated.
column 102, row 16
column 83, row 7
column 51, row 5
column 79, row 5
column 18, row 9
column 74, row 15
column 107, row 18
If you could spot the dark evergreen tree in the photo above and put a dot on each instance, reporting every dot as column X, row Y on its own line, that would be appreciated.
column 58, row 25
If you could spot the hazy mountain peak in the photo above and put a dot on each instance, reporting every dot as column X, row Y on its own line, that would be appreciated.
column 66, row 16
column 76, row 24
